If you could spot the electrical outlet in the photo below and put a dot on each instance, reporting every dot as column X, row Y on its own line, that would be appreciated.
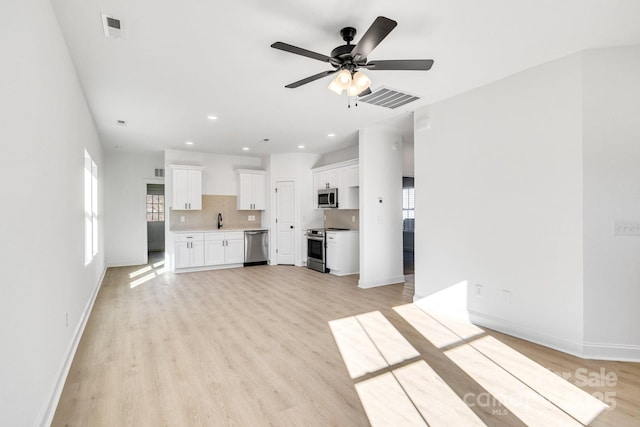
column 626, row 228
column 182, row 218
column 353, row 218
column 478, row 290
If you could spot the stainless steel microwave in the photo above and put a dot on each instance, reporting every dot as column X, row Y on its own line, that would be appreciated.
column 328, row 198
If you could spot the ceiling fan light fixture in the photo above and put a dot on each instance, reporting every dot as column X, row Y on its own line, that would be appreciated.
column 361, row 80
column 344, row 78
column 353, row 90
column 334, row 86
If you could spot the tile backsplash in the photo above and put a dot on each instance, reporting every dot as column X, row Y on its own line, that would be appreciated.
column 342, row 218
column 208, row 216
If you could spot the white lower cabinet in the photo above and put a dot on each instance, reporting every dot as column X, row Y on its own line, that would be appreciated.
column 343, row 252
column 224, row 247
column 189, row 250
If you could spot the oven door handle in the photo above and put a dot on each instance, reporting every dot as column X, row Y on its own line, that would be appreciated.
column 317, row 239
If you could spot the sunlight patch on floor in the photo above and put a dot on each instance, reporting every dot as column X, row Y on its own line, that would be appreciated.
column 522, row 401
column 410, row 395
column 435, row 400
column 429, row 327
column 576, row 402
column 369, row 342
column 530, row 390
column 142, row 280
column 143, row 270
column 156, row 270
column 387, row 339
column 359, row 353
column 386, row 403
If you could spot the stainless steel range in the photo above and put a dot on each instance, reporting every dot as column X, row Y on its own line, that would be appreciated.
column 317, row 248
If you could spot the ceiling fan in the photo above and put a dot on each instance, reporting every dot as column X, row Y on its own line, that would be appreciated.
column 347, row 59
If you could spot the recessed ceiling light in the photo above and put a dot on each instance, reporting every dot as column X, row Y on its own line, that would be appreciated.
column 189, row 142
column 245, row 148
column 300, row 146
column 212, row 117
column 331, row 135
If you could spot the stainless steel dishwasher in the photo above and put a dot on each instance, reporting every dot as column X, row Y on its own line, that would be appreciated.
column 256, row 247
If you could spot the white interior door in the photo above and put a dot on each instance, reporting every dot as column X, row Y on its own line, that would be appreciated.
column 285, row 214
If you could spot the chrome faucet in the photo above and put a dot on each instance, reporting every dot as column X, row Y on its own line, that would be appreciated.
column 219, row 220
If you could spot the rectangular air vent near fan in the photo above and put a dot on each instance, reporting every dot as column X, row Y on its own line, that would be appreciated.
column 389, row 98
column 111, row 27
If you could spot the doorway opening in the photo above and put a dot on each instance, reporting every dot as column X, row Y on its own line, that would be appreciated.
column 408, row 224
column 155, row 222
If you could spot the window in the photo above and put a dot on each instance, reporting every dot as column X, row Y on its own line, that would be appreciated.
column 408, row 203
column 90, row 208
column 155, row 207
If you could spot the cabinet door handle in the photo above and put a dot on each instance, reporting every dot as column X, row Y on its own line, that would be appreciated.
column 185, row 205
column 189, row 205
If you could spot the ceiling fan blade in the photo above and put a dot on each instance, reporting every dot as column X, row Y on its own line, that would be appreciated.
column 365, row 92
column 401, row 64
column 310, row 79
column 380, row 29
column 300, row 51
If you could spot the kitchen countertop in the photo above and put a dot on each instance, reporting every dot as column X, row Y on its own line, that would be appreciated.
column 206, row 229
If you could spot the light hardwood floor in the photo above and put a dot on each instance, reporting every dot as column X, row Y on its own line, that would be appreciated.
column 252, row 347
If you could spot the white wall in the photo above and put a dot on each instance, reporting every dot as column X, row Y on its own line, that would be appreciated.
column 498, row 181
column 45, row 127
column 338, row 156
column 611, row 192
column 126, row 178
column 380, row 223
column 295, row 167
column 408, row 168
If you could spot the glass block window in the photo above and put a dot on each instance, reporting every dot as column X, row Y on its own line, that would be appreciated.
column 155, row 207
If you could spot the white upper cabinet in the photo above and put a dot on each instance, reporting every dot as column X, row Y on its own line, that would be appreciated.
column 187, row 187
column 343, row 176
column 327, row 179
column 251, row 190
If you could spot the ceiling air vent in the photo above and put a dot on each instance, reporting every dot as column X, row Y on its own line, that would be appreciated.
column 389, row 98
column 111, row 27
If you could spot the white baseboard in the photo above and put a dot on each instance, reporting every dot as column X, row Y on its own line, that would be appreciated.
column 47, row 417
column 417, row 297
column 381, row 282
column 520, row 331
column 125, row 263
column 609, row 351
column 207, row 268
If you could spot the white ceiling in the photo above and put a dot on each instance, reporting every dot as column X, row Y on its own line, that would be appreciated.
column 180, row 61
